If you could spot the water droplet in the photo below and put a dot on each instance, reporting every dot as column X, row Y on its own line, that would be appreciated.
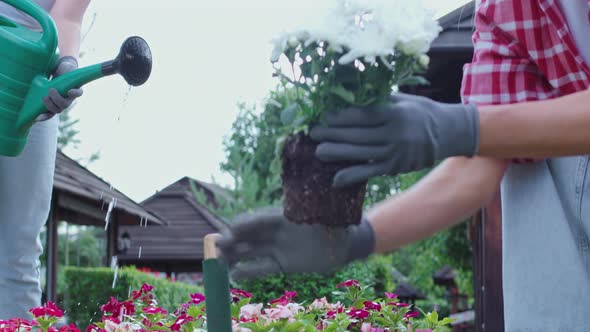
column 115, row 277
column 107, row 218
column 115, row 266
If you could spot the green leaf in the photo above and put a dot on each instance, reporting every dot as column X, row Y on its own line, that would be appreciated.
column 194, row 312
column 341, row 92
column 347, row 75
column 306, row 69
column 381, row 321
column 315, row 68
column 433, row 317
column 289, row 114
column 413, row 80
column 251, row 326
column 300, row 120
column 446, row 321
column 294, row 327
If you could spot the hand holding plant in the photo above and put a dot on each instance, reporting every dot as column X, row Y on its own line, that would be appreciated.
column 350, row 54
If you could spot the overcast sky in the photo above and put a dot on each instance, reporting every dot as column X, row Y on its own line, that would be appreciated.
column 208, row 56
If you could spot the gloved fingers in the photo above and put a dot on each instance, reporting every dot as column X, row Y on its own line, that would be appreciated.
column 332, row 152
column 357, row 174
column 355, row 117
column 50, row 105
column 243, row 251
column 61, row 102
column 256, row 225
column 75, row 93
column 65, row 65
column 229, row 245
column 254, row 269
column 366, row 136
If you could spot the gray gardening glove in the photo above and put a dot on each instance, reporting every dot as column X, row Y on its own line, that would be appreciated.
column 406, row 134
column 54, row 102
column 264, row 242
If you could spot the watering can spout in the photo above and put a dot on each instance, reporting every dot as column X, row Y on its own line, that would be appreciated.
column 133, row 63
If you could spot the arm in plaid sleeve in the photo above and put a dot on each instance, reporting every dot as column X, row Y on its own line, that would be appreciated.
column 519, row 56
column 524, row 79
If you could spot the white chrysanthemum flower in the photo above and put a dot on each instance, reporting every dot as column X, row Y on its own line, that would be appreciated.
column 365, row 29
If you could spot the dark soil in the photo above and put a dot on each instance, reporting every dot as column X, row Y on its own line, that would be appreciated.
column 307, row 187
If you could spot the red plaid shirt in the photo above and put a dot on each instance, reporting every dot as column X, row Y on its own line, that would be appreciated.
column 523, row 51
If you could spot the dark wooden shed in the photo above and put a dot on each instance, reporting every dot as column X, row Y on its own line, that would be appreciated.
column 178, row 246
column 82, row 198
column 406, row 292
column 448, row 54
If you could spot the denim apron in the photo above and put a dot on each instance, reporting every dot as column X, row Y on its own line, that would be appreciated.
column 26, row 184
column 546, row 248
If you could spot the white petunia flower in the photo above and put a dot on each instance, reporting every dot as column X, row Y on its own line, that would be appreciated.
column 364, row 29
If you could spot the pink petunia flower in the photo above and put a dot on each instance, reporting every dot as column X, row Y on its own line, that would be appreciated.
column 358, row 313
column 372, row 306
column 332, row 313
column 390, row 296
column 412, row 314
column 180, row 321
column 278, row 313
column 197, row 298
column 285, row 299
column 367, row 327
column 319, row 304
column 238, row 294
column 48, row 310
column 251, row 311
column 236, row 328
column 154, row 311
column 398, row 304
column 116, row 308
column 144, row 291
column 349, row 283
column 69, row 328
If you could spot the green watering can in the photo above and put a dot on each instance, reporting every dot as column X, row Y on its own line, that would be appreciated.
column 26, row 61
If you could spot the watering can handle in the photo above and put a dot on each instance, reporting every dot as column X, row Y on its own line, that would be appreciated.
column 49, row 38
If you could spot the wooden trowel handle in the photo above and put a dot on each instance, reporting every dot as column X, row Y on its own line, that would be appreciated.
column 210, row 250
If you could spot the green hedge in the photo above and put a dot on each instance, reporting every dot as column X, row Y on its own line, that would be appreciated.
column 89, row 288
column 374, row 271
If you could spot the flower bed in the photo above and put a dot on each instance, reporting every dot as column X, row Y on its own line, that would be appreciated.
column 141, row 312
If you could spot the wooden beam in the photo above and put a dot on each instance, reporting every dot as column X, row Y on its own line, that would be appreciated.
column 475, row 235
column 73, row 203
column 493, row 290
column 486, row 236
column 52, row 245
column 112, row 233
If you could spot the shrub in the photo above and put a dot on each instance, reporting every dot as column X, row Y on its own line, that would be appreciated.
column 374, row 272
column 89, row 288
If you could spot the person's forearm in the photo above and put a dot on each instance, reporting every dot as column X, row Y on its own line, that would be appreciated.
column 540, row 129
column 67, row 15
column 453, row 191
